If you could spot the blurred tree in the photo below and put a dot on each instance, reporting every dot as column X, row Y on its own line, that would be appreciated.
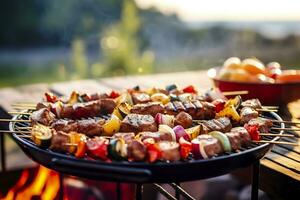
column 120, row 45
column 79, row 59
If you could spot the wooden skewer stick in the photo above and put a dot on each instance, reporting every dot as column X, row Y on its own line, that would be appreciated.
column 266, row 110
column 25, row 136
column 277, row 135
column 15, row 120
column 286, row 129
column 230, row 93
column 70, row 144
column 277, row 142
column 25, row 128
column 23, row 104
column 7, row 131
column 271, row 107
column 19, row 113
column 287, row 122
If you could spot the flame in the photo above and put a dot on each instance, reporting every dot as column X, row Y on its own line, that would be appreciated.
column 45, row 185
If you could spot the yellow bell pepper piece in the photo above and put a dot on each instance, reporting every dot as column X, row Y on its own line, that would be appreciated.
column 230, row 112
column 112, row 126
column 193, row 131
column 160, row 97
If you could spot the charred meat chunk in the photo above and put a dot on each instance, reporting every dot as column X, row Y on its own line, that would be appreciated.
column 136, row 151
column 140, row 97
column 183, row 119
column 151, row 108
column 169, row 151
column 138, row 123
column 248, row 113
column 43, row 116
column 264, row 125
column 252, row 103
column 212, row 146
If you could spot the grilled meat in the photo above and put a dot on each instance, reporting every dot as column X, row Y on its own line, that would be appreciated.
column 243, row 135
column 90, row 127
column 127, row 137
column 151, row 108
column 212, row 146
column 248, row 113
column 183, row 119
column 252, row 103
column 197, row 109
column 136, row 151
column 59, row 140
column 234, row 139
column 222, row 124
column 138, row 123
column 139, row 97
column 264, row 125
column 157, row 136
column 169, row 151
column 42, row 116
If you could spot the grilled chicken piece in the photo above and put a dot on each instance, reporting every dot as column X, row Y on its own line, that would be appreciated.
column 247, row 113
column 244, row 136
column 252, row 103
column 169, row 151
column 151, row 108
column 139, row 97
column 183, row 119
column 43, row 116
column 138, row 123
column 136, row 151
column 212, row 146
column 264, row 125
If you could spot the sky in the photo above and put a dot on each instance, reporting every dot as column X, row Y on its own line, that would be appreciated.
column 228, row 10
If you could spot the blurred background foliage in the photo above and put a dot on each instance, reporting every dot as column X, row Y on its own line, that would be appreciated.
column 54, row 40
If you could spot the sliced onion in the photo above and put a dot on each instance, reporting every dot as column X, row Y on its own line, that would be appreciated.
column 168, row 120
column 180, row 132
column 198, row 149
column 158, row 118
column 167, row 129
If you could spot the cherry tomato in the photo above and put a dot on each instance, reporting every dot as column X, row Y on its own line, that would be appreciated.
column 98, row 147
column 185, row 148
column 113, row 94
column 253, row 131
column 50, row 97
column 219, row 103
column 154, row 153
column 189, row 89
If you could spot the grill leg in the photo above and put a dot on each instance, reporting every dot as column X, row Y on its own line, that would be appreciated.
column 177, row 192
column 255, row 180
column 2, row 152
column 138, row 191
column 119, row 191
column 61, row 189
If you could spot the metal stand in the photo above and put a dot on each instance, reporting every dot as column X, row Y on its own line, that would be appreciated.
column 2, row 153
column 138, row 191
column 119, row 191
column 61, row 189
column 255, row 180
column 177, row 194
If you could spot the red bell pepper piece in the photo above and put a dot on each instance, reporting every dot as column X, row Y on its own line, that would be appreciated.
column 113, row 94
column 98, row 147
column 81, row 149
column 185, row 148
column 253, row 131
column 219, row 103
column 189, row 89
column 50, row 97
column 154, row 153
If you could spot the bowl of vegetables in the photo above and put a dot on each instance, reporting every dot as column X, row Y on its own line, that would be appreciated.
column 270, row 83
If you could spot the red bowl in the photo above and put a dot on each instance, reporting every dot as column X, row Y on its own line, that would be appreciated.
column 267, row 93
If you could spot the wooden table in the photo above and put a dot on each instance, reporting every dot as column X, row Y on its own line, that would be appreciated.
column 279, row 171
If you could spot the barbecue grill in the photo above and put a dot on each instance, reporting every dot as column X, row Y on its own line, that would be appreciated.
column 142, row 172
